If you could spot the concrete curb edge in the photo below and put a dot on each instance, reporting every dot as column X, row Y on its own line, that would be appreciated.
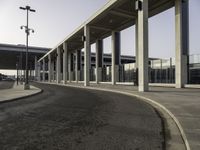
column 21, row 97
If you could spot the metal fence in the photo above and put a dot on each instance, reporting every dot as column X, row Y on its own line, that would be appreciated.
column 82, row 75
column 194, row 69
column 127, row 73
column 92, row 74
column 106, row 74
column 160, row 71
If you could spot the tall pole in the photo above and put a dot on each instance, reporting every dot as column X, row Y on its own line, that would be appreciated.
column 27, row 31
column 21, row 68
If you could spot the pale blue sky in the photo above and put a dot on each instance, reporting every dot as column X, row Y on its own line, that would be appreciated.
column 55, row 19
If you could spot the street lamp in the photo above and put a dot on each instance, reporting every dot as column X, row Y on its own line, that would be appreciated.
column 27, row 31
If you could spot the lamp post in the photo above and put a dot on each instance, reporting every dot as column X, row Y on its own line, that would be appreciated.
column 17, row 68
column 27, row 31
column 21, row 62
column 21, row 68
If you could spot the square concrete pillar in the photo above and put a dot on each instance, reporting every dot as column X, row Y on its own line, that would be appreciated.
column 182, row 42
column 143, row 47
column 78, row 65
column 69, row 64
column 136, row 52
column 116, row 52
column 65, row 61
column 136, row 43
column 49, row 68
column 52, row 70
column 58, row 67
column 36, row 68
column 43, row 70
column 70, row 67
column 99, row 60
column 30, row 74
column 87, row 55
column 39, row 71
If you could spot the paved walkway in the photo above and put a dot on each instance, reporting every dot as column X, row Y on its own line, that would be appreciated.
column 17, row 92
column 184, row 104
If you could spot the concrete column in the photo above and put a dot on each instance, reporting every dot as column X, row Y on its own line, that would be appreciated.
column 136, row 43
column 24, row 73
column 136, row 51
column 30, row 74
column 39, row 73
column 49, row 68
column 69, row 66
column 43, row 70
column 87, row 55
column 72, row 66
column 65, row 63
column 143, row 47
column 36, row 68
column 78, row 65
column 182, row 42
column 115, row 56
column 99, row 60
column 58, row 67
column 171, row 70
column 53, row 70
column 161, row 78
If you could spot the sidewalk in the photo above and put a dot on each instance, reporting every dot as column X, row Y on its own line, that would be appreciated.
column 17, row 92
column 183, row 105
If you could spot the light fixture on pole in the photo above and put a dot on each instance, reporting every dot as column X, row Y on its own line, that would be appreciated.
column 27, row 31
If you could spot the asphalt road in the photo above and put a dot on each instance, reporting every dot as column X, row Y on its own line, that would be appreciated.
column 63, row 118
column 6, row 84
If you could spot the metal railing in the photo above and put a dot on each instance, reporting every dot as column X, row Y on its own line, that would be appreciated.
column 160, row 71
column 194, row 69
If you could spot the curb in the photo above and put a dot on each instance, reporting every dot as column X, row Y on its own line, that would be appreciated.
column 153, row 103
column 21, row 97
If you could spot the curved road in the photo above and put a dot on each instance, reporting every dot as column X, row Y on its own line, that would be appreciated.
column 65, row 118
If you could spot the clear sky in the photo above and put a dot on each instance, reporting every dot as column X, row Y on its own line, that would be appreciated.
column 55, row 19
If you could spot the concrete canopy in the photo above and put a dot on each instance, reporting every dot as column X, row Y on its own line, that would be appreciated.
column 116, row 15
